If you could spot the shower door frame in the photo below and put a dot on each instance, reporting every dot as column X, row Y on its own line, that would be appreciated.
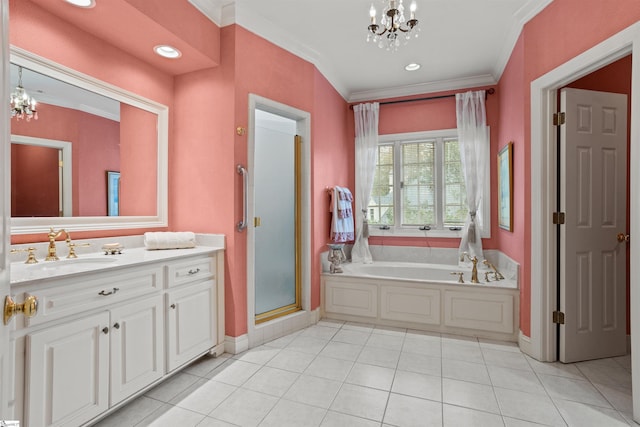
column 261, row 332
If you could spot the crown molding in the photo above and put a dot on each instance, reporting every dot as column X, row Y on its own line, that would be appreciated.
column 212, row 9
column 422, row 88
column 522, row 16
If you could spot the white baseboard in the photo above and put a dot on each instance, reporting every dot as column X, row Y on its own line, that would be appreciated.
column 524, row 342
column 235, row 345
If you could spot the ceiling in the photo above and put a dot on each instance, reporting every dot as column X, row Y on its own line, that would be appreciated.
column 462, row 43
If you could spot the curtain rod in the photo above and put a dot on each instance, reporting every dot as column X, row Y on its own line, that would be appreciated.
column 489, row 91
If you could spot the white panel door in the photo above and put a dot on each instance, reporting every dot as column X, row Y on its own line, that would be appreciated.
column 68, row 372
column 6, row 366
column 594, row 197
column 137, row 347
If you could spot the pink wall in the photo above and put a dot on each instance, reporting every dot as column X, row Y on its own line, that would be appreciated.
column 138, row 179
column 34, row 181
column 550, row 39
column 84, row 132
column 208, row 183
column 332, row 160
column 30, row 25
column 202, row 165
column 511, row 91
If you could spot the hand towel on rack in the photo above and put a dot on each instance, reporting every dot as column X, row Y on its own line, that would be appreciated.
column 342, row 218
column 169, row 240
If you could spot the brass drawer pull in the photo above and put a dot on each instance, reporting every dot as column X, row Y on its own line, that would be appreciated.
column 104, row 294
column 196, row 271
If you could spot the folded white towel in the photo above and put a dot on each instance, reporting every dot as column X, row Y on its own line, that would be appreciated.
column 169, row 240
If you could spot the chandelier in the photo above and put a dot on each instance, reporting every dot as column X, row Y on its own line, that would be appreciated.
column 22, row 105
column 393, row 25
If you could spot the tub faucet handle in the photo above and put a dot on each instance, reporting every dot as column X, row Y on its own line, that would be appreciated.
column 460, row 275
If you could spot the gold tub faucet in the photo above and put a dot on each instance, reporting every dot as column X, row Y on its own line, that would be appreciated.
column 496, row 273
column 474, row 269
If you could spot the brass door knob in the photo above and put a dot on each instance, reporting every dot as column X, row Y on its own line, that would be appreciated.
column 623, row 238
column 29, row 307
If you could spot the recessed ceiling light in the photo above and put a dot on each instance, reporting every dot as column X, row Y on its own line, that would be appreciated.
column 167, row 51
column 412, row 67
column 82, row 3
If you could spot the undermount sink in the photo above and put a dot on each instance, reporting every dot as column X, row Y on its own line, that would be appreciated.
column 21, row 271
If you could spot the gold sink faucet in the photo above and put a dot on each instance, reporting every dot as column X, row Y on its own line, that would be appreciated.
column 53, row 235
column 474, row 269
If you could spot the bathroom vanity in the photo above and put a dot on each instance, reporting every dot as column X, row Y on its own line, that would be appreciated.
column 109, row 327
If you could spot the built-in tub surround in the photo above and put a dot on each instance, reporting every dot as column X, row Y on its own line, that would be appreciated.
column 426, row 296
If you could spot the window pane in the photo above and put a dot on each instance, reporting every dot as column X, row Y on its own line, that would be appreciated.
column 381, row 203
column 418, row 183
column 455, row 195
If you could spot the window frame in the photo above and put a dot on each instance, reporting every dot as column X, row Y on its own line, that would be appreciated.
column 437, row 230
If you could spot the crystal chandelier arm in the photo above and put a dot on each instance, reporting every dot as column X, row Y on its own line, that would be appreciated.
column 373, row 28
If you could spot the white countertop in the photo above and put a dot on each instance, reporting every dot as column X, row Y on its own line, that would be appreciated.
column 22, row 273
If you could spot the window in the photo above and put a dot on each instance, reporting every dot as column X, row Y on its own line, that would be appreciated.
column 419, row 182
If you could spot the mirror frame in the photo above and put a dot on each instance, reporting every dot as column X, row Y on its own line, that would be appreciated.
column 45, row 66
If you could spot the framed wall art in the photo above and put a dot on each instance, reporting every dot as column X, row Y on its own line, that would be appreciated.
column 505, row 187
column 113, row 193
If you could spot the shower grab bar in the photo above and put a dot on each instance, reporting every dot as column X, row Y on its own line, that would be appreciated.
column 245, row 197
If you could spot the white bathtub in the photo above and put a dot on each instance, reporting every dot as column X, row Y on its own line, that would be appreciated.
column 423, row 296
column 429, row 273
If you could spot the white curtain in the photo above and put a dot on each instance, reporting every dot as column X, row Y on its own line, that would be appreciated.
column 473, row 137
column 366, row 119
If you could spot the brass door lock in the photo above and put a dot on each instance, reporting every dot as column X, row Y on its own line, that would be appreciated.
column 29, row 307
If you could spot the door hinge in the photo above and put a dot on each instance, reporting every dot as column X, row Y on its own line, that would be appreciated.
column 558, row 218
column 558, row 317
column 559, row 119
column 60, row 164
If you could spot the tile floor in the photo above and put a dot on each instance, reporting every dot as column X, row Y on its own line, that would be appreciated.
column 351, row 375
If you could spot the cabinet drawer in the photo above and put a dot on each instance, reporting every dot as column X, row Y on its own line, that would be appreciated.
column 81, row 294
column 192, row 270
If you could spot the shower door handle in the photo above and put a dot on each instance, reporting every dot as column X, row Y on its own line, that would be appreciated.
column 245, row 197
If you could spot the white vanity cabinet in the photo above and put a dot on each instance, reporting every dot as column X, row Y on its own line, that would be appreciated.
column 67, row 372
column 136, row 338
column 191, row 314
column 78, row 369
column 101, row 338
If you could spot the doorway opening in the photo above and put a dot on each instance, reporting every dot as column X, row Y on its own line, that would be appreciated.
column 542, row 343
column 592, row 192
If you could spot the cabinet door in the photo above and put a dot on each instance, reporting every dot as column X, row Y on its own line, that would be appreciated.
column 191, row 322
column 68, row 372
column 137, row 357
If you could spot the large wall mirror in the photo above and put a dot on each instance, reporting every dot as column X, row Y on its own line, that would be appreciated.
column 107, row 132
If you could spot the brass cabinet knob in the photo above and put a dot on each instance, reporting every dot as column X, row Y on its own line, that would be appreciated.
column 105, row 330
column 116, row 325
column 173, row 306
column 29, row 307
